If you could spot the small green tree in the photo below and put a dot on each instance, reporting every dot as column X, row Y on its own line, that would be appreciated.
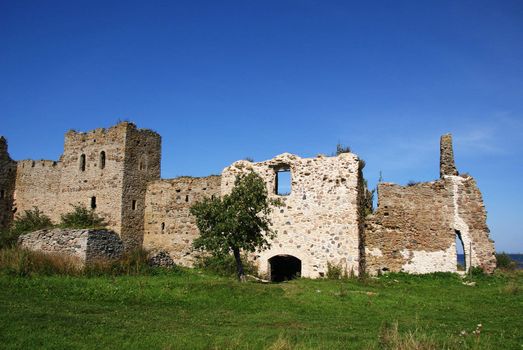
column 237, row 221
column 28, row 221
column 31, row 220
column 81, row 217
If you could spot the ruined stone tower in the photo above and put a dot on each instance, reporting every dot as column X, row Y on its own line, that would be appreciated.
column 108, row 170
column 104, row 169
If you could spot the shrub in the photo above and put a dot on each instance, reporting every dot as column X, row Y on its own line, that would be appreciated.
column 31, row 220
column 342, row 149
column 223, row 265
column 28, row 221
column 477, row 271
column 334, row 272
column 505, row 262
column 81, row 217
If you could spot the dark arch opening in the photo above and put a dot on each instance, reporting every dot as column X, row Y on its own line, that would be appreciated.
column 284, row 268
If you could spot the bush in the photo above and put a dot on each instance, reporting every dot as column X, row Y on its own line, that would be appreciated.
column 505, row 262
column 224, row 265
column 334, row 272
column 29, row 221
column 477, row 271
column 81, row 217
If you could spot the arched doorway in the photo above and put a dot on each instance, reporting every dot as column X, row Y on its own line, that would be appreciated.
column 284, row 268
column 460, row 252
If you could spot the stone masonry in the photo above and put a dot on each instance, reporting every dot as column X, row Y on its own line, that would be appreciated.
column 415, row 227
column 88, row 246
column 169, row 226
column 318, row 222
column 116, row 172
column 104, row 169
column 7, row 185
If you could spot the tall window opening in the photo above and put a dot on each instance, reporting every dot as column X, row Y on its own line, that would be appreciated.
column 187, row 198
column 143, row 163
column 461, row 261
column 93, row 202
column 102, row 159
column 133, row 204
column 82, row 162
column 163, row 226
column 2, row 194
column 283, row 181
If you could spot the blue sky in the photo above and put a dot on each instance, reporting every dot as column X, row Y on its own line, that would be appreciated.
column 225, row 80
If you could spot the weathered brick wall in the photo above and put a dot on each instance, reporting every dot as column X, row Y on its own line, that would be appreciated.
column 169, row 226
column 79, row 185
column 107, row 169
column 142, row 165
column 7, row 185
column 471, row 221
column 37, row 185
column 85, row 245
column 318, row 222
column 414, row 228
column 411, row 229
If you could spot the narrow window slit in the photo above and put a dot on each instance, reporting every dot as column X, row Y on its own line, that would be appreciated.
column 82, row 162
column 102, row 160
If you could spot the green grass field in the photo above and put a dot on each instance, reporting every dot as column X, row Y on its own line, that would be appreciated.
column 194, row 310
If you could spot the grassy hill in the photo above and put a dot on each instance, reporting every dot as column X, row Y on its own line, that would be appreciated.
column 189, row 309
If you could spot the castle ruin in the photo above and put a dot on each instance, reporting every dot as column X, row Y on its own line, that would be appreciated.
column 116, row 172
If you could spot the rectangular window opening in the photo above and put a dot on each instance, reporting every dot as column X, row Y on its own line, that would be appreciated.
column 283, row 182
column 2, row 194
column 93, row 202
column 133, row 205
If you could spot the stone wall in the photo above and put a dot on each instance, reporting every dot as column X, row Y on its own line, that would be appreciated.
column 471, row 222
column 411, row 229
column 37, row 185
column 169, row 226
column 318, row 222
column 142, row 165
column 84, row 179
column 85, row 245
column 7, row 185
column 414, row 228
column 104, row 169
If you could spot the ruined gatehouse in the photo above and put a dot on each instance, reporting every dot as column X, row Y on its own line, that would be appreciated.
column 116, row 172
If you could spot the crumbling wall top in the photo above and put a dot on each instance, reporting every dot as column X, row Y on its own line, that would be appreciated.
column 446, row 163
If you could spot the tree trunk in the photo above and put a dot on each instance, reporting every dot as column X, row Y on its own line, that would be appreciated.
column 239, row 264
